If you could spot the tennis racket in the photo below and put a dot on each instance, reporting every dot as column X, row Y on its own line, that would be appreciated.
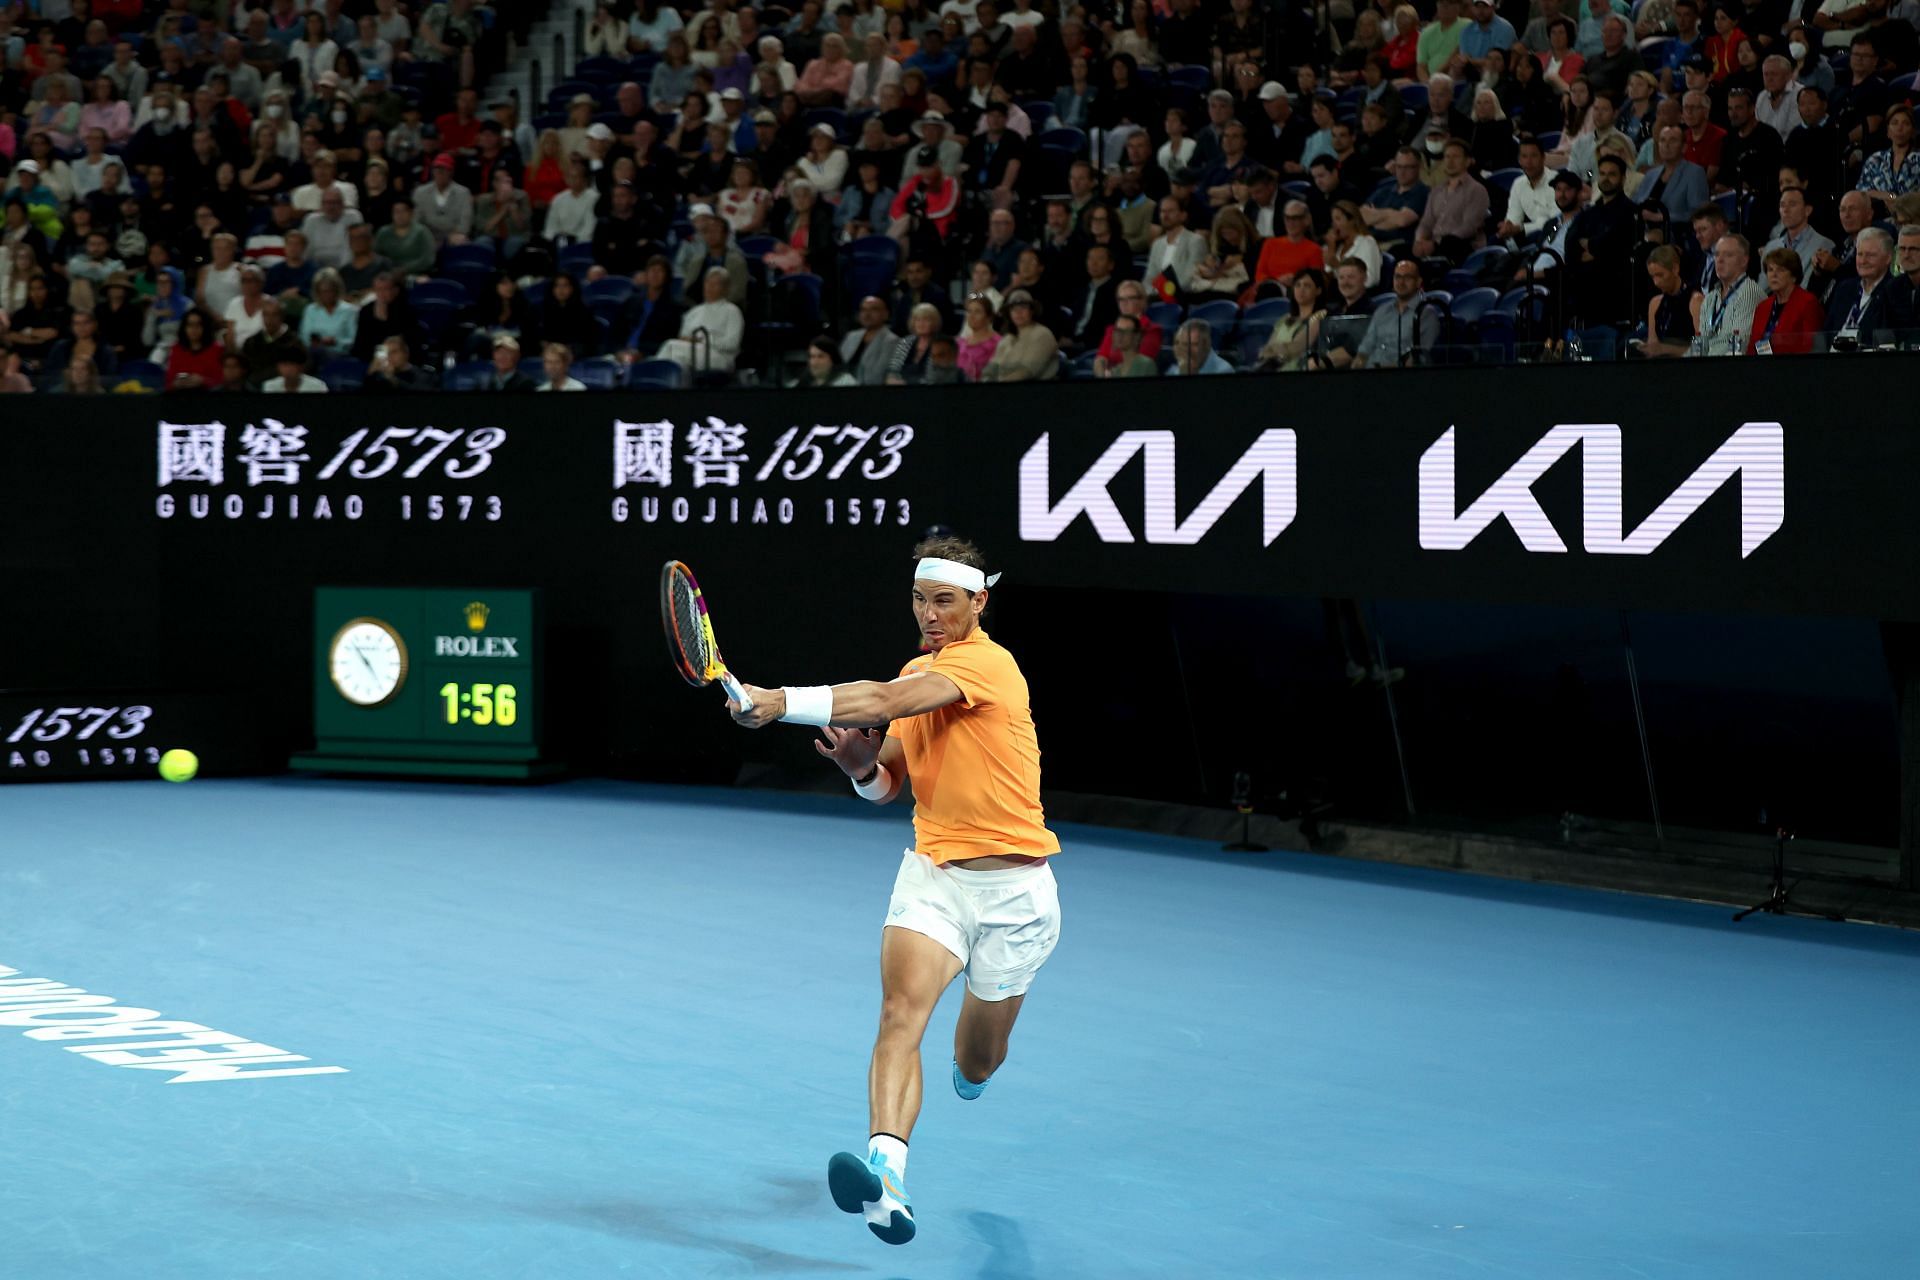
column 696, row 655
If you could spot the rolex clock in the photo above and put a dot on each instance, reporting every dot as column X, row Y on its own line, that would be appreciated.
column 367, row 662
column 428, row 682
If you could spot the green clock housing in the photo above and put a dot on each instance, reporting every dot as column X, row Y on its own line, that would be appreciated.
column 427, row 682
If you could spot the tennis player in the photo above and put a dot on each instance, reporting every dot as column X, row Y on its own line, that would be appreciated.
column 975, row 893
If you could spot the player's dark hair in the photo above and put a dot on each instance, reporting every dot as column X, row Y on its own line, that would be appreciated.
column 948, row 547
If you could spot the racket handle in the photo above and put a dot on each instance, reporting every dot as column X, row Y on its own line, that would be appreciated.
column 735, row 691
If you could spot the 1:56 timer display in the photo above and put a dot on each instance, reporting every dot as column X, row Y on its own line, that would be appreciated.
column 480, row 703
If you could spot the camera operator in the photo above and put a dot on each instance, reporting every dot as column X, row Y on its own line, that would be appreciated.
column 925, row 209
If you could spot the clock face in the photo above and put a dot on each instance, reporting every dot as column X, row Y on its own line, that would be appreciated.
column 368, row 662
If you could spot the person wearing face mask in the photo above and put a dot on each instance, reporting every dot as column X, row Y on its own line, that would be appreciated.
column 161, row 140
column 286, row 134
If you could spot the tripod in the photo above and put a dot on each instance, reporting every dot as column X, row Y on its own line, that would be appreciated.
column 1243, row 801
column 1779, row 900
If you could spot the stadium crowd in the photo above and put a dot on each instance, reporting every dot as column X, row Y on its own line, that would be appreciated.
column 221, row 195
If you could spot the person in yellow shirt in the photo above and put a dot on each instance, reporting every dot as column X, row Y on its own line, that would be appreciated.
column 976, row 892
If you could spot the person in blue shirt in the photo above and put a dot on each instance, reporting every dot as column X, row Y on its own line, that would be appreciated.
column 933, row 58
column 1193, row 353
column 1487, row 30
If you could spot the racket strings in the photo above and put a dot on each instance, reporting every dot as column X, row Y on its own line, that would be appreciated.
column 688, row 627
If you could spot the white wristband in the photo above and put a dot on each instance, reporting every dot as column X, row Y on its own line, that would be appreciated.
column 876, row 790
column 809, row 704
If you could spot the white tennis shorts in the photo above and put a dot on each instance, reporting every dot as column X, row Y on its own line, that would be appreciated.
column 1000, row 924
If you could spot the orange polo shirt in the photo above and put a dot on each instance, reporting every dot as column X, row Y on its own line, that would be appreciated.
column 975, row 763
column 1281, row 257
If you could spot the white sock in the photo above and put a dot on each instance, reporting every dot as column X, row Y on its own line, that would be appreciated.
column 892, row 1148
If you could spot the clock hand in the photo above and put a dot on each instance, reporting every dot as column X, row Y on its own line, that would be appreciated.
column 361, row 654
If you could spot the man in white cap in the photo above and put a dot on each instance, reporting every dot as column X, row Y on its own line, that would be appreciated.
column 1280, row 138
column 933, row 131
column 733, row 111
column 599, row 155
column 975, row 893
column 505, row 374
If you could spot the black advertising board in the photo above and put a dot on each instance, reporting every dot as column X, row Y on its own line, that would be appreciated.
column 176, row 541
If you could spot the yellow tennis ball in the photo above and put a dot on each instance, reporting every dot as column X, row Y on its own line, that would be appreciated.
column 179, row 765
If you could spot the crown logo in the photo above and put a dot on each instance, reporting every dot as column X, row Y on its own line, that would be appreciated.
column 477, row 616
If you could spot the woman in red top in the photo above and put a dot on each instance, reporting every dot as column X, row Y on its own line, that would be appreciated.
column 1723, row 46
column 1787, row 318
column 194, row 362
column 547, row 175
column 1402, row 52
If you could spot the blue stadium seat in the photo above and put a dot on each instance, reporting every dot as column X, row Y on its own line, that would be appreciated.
column 468, row 255
column 437, row 316
column 1064, row 139
column 1480, row 259
column 1253, row 336
column 1502, row 180
column 533, row 367
column 615, row 289
column 599, row 373
column 469, row 375
column 1413, row 97
column 754, row 248
column 1167, row 315
column 535, row 293
column 1217, row 313
column 1496, row 329
column 1164, row 313
column 1904, row 84
column 575, row 258
column 1469, row 306
column 1548, row 141
column 561, row 96
column 611, row 315
column 869, row 266
column 1081, row 370
column 145, row 372
column 601, row 69
column 1653, row 52
column 1222, row 316
column 1192, row 79
column 1268, row 311
column 794, row 311
column 663, row 374
column 450, row 292
column 343, row 373
column 1039, row 112
column 478, row 282
column 1511, row 302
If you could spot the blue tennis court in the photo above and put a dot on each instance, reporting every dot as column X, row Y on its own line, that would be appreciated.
column 604, row 1029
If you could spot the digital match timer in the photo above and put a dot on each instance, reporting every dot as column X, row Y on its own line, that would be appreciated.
column 436, row 681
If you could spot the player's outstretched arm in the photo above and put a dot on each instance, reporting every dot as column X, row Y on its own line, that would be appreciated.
column 861, row 704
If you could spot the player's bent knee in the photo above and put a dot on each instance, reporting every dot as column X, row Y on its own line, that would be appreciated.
column 900, row 1015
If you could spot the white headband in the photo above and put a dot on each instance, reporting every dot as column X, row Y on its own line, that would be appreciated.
column 964, row 576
